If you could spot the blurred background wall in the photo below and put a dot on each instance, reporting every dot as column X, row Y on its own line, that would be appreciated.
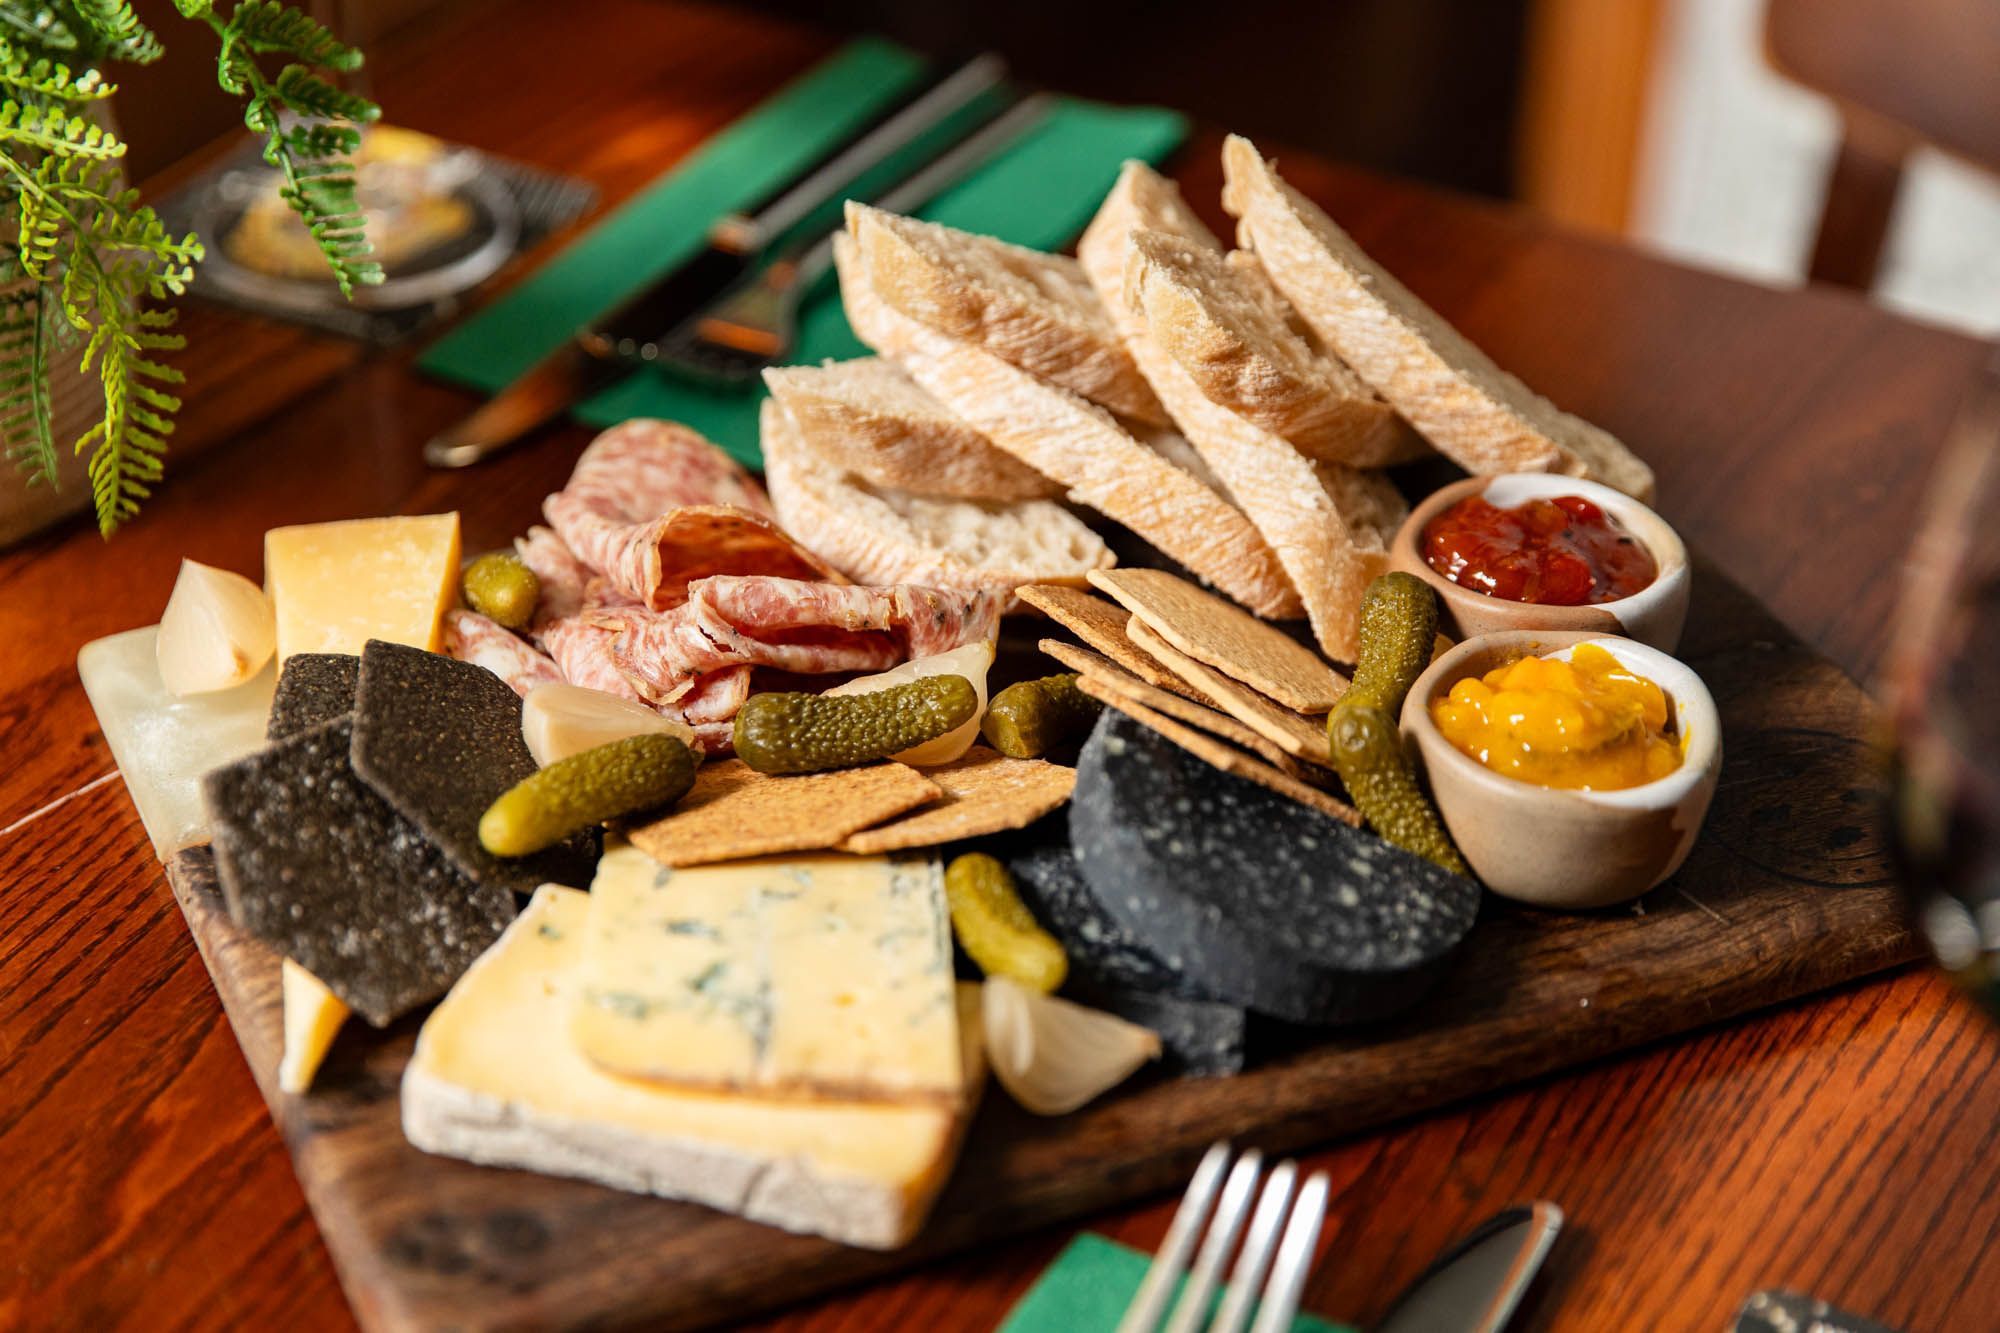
column 1660, row 120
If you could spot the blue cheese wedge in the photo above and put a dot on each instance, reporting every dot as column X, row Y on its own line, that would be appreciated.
column 496, row 1079
column 828, row 974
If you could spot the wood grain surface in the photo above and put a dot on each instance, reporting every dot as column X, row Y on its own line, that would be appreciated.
column 1844, row 1146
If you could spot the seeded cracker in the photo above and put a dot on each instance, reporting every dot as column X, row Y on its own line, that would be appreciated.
column 317, row 865
column 1108, row 675
column 1101, row 624
column 1300, row 736
column 1227, row 758
column 984, row 792
column 1223, row 636
column 312, row 688
column 1259, row 901
column 440, row 740
column 735, row 811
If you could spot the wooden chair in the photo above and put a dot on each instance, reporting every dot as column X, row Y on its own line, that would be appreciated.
column 1903, row 73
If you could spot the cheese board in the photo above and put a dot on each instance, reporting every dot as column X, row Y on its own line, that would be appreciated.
column 716, row 845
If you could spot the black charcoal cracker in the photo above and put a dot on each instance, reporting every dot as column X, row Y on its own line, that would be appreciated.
column 440, row 740
column 1262, row 901
column 1197, row 1038
column 1101, row 952
column 313, row 688
column 317, row 865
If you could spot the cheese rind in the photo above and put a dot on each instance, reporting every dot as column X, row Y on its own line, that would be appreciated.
column 826, row 974
column 495, row 1079
column 335, row 586
column 313, row 1015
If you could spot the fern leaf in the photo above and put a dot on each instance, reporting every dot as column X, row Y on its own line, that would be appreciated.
column 54, row 131
column 26, row 418
column 268, row 26
column 41, row 26
column 305, row 93
column 118, row 29
column 46, row 77
column 322, row 140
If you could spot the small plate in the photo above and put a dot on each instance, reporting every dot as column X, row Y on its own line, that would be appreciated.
column 1555, row 847
column 1653, row 615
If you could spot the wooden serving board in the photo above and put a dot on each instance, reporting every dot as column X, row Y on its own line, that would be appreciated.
column 1788, row 891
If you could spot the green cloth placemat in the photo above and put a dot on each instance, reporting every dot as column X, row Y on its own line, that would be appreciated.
column 1039, row 192
column 1088, row 1287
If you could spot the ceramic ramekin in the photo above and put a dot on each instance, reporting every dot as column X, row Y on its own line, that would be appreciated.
column 1653, row 615
column 1559, row 848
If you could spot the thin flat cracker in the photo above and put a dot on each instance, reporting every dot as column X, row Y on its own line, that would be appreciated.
column 1300, row 736
column 1108, row 675
column 984, row 792
column 733, row 811
column 1225, row 757
column 1101, row 624
column 1225, row 637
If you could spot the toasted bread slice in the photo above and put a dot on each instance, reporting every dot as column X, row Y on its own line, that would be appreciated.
column 867, row 417
column 880, row 536
column 1235, row 336
column 1477, row 414
column 1078, row 444
column 1030, row 309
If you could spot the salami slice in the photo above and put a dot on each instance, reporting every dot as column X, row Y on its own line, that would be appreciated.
column 582, row 650
column 471, row 637
column 810, row 628
column 565, row 579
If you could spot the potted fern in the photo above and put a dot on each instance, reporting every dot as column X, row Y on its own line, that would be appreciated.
column 86, row 268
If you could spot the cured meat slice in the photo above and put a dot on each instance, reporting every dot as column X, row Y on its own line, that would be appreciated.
column 653, row 506
column 471, row 637
column 565, row 579
column 810, row 628
column 714, row 697
column 582, row 649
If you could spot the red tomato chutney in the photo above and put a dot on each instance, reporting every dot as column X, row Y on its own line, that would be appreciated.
column 1561, row 552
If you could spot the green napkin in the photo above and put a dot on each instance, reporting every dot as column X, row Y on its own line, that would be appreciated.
column 1040, row 191
column 1088, row 1287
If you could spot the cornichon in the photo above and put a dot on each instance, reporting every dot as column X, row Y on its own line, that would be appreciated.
column 995, row 927
column 498, row 586
column 806, row 733
column 1398, row 628
column 604, row 782
column 1027, row 720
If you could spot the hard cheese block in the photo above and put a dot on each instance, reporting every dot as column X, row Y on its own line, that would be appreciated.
column 496, row 1079
column 828, row 974
column 337, row 585
column 165, row 744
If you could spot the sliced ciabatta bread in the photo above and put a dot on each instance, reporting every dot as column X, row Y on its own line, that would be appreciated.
column 1030, row 309
column 1078, row 444
column 870, row 419
column 1233, row 333
column 1474, row 412
column 880, row 536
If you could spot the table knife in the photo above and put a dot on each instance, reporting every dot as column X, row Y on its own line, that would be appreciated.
column 597, row 354
column 1474, row 1286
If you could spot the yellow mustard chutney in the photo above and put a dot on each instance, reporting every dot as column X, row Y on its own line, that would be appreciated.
column 1588, row 723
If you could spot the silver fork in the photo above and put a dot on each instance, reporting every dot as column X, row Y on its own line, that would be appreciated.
column 1283, row 1232
column 755, row 324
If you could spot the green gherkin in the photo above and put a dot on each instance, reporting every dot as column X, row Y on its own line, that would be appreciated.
column 995, row 927
column 621, row 778
column 503, row 589
column 805, row 733
column 1027, row 720
column 1398, row 629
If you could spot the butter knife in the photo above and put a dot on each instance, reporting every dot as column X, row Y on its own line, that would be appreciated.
column 1475, row 1286
column 595, row 356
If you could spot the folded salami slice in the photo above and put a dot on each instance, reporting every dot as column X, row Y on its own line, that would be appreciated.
column 565, row 579
column 471, row 637
column 654, row 507
column 809, row 628
column 1256, row 899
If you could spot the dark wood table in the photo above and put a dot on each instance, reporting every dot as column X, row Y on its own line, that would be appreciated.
column 1848, row 1146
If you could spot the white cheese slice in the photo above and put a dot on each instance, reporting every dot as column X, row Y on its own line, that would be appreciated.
column 313, row 1014
column 495, row 1079
column 335, row 586
column 828, row 974
column 163, row 744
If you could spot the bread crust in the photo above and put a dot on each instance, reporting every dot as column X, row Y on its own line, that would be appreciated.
column 1477, row 414
column 872, row 420
column 1033, row 310
column 1078, row 444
